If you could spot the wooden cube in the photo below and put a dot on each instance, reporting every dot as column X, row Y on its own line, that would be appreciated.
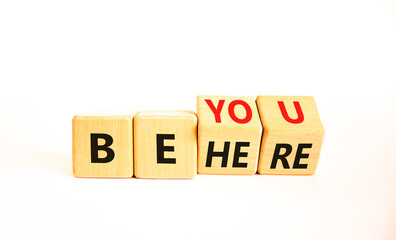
column 293, row 135
column 165, row 144
column 229, row 134
column 102, row 145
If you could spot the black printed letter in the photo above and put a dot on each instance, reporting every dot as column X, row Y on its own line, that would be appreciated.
column 161, row 148
column 300, row 155
column 238, row 154
column 277, row 155
column 223, row 154
column 105, row 147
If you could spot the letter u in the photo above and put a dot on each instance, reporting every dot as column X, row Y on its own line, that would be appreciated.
column 300, row 115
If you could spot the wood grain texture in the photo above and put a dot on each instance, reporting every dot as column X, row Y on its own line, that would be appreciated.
column 119, row 127
column 217, row 132
column 280, row 130
column 148, row 126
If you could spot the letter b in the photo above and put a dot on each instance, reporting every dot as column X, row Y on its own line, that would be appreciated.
column 95, row 147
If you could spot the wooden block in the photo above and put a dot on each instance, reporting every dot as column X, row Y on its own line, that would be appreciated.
column 293, row 135
column 102, row 145
column 165, row 144
column 229, row 134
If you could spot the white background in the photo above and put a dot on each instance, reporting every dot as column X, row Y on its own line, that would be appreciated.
column 61, row 58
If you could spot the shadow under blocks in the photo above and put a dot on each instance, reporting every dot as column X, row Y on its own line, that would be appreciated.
column 228, row 135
